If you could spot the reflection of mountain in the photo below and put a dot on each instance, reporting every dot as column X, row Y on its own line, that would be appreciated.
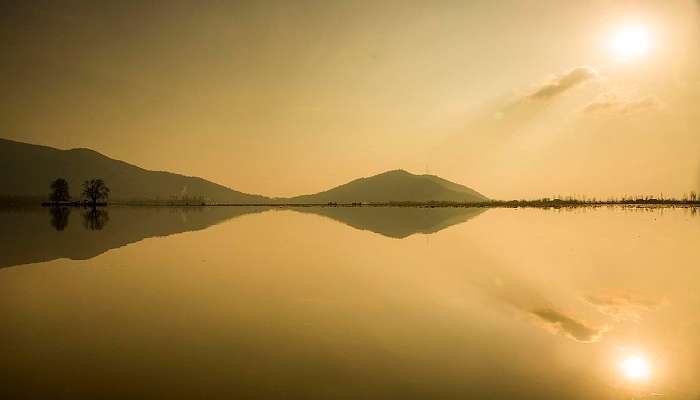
column 30, row 235
column 396, row 222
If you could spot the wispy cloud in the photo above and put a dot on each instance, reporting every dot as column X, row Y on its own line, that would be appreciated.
column 623, row 306
column 557, row 322
column 562, row 83
column 612, row 102
column 525, row 107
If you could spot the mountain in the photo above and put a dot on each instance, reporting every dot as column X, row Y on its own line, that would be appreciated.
column 26, row 170
column 394, row 186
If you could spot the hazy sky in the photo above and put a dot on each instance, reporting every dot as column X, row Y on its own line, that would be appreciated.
column 513, row 98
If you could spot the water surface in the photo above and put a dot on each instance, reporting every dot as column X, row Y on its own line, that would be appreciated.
column 316, row 303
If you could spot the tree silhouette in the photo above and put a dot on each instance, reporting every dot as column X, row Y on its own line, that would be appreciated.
column 59, row 190
column 95, row 190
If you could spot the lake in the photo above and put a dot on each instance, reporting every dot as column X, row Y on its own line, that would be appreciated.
column 350, row 303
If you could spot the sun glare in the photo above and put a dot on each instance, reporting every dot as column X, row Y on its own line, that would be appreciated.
column 630, row 42
column 635, row 367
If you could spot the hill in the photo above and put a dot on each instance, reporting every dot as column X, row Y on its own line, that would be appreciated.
column 26, row 170
column 395, row 186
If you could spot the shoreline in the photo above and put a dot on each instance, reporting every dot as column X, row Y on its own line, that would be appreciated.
column 72, row 204
column 509, row 204
column 557, row 204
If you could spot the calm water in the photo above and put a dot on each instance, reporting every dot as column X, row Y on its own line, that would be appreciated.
column 358, row 303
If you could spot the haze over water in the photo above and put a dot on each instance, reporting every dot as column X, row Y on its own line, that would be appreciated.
column 275, row 303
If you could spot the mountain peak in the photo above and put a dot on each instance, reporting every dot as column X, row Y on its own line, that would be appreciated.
column 397, row 172
column 395, row 186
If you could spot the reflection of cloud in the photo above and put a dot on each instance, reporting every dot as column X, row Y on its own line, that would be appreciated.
column 562, row 83
column 614, row 103
column 623, row 306
column 558, row 322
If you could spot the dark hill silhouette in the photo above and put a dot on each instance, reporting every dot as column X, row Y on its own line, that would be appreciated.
column 396, row 222
column 394, row 186
column 26, row 170
column 33, row 234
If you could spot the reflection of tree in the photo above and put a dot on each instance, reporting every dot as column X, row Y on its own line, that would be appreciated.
column 59, row 217
column 95, row 219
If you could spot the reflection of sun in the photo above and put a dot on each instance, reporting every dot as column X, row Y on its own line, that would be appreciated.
column 630, row 42
column 635, row 367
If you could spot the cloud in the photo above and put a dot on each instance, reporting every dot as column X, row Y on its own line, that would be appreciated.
column 562, row 83
column 623, row 306
column 557, row 322
column 513, row 113
column 614, row 103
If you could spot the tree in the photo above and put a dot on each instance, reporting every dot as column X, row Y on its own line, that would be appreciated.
column 95, row 190
column 59, row 190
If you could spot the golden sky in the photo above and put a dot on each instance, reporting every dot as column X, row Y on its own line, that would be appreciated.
column 513, row 98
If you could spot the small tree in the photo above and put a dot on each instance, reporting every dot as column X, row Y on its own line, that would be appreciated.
column 59, row 190
column 95, row 190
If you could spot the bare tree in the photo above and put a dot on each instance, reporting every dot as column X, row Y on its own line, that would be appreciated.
column 95, row 190
column 59, row 191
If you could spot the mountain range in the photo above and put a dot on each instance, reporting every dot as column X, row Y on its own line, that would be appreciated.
column 28, row 169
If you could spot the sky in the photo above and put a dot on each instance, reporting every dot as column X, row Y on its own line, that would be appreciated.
column 516, row 99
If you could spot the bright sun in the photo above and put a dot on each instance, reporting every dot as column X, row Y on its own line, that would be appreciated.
column 630, row 42
column 635, row 367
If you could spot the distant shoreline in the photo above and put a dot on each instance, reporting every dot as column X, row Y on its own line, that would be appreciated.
column 490, row 204
column 542, row 203
column 72, row 204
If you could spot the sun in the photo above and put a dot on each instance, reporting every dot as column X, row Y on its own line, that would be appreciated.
column 635, row 367
column 630, row 42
